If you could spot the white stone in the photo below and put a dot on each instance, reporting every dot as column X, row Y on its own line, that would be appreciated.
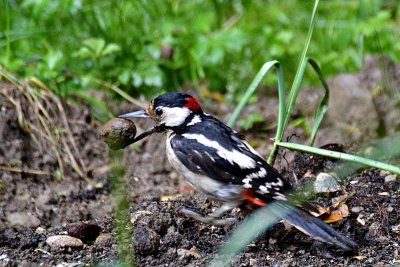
column 326, row 183
column 57, row 242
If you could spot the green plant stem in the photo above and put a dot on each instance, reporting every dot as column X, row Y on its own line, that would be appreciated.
column 323, row 106
column 294, row 90
column 343, row 156
column 8, row 31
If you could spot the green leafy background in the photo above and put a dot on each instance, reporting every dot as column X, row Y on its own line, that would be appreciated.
column 149, row 47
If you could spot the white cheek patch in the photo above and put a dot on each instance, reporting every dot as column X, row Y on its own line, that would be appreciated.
column 174, row 116
column 233, row 156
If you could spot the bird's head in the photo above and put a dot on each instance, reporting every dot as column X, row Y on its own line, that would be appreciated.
column 170, row 110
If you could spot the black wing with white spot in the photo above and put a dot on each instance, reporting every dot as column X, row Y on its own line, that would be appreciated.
column 213, row 149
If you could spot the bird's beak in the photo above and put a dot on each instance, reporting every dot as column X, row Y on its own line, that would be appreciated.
column 136, row 114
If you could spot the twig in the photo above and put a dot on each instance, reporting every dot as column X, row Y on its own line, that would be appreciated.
column 28, row 171
column 49, row 115
column 68, row 131
column 44, row 251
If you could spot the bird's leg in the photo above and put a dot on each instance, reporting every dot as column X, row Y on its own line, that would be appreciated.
column 212, row 218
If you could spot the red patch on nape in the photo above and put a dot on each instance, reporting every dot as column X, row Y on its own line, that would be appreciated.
column 249, row 195
column 192, row 104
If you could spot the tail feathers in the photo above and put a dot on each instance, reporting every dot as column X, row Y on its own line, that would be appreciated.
column 313, row 226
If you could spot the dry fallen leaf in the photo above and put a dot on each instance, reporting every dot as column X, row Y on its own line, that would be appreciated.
column 317, row 210
column 338, row 214
column 336, row 201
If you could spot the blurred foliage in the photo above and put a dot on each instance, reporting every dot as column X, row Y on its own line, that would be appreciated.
column 250, row 121
column 148, row 47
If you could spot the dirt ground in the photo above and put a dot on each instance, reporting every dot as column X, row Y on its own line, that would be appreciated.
column 37, row 205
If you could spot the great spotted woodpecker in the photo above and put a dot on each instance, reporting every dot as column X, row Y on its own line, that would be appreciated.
column 219, row 162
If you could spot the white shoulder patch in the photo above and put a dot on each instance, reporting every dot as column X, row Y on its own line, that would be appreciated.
column 196, row 119
column 232, row 156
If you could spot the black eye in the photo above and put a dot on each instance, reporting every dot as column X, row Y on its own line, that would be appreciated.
column 158, row 111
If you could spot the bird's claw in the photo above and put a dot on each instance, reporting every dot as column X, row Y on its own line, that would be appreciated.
column 207, row 219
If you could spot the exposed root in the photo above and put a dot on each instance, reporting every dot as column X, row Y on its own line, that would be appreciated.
column 28, row 171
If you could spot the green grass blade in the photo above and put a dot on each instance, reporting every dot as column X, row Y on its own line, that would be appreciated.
column 254, row 85
column 281, row 102
column 344, row 156
column 294, row 90
column 323, row 106
column 8, row 32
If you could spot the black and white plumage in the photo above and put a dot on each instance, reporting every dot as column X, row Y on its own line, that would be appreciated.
column 211, row 149
column 219, row 162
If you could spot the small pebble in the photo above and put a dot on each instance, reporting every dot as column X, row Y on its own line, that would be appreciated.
column 253, row 262
column 57, row 242
column 357, row 209
column 390, row 178
column 326, row 183
column 40, row 231
column 384, row 173
column 3, row 257
column 138, row 215
column 374, row 231
column 146, row 240
column 103, row 240
column 389, row 208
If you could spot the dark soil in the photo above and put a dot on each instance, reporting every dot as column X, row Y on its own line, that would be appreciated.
column 36, row 206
